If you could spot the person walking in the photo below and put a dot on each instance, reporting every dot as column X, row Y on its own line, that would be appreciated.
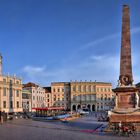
column 1, row 117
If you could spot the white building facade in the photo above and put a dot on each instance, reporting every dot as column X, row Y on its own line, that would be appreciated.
column 37, row 95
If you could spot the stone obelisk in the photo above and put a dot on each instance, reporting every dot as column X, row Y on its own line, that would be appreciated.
column 126, row 77
column 125, row 92
column 127, row 98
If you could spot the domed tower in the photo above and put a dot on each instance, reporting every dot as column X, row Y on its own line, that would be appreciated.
column 0, row 64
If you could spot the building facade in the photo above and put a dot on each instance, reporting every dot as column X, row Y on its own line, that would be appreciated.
column 61, row 94
column 10, row 92
column 48, row 96
column 37, row 95
column 96, row 96
column 104, row 96
column 26, row 101
column 83, row 95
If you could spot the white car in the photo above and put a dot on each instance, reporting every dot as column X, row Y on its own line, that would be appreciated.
column 83, row 111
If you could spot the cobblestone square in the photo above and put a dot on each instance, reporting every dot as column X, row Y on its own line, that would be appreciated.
column 82, row 129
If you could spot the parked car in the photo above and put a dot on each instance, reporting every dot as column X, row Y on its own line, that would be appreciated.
column 83, row 111
column 10, row 116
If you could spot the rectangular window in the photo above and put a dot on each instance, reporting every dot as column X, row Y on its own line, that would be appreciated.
column 11, row 81
column 4, row 91
column 89, row 88
column 54, row 90
column 4, row 104
column 11, row 104
column 11, row 92
column 17, row 104
column 17, row 93
column 4, row 80
column 33, row 97
column 62, row 89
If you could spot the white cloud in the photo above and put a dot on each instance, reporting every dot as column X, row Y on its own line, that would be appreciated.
column 135, row 30
column 100, row 40
column 33, row 70
column 101, row 68
column 99, row 57
column 34, row 74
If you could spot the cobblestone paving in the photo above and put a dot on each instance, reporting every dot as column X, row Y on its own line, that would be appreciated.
column 76, row 130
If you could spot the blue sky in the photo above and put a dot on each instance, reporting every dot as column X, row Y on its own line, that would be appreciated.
column 46, row 41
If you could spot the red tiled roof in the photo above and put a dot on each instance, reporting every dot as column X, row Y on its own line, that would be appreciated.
column 30, row 84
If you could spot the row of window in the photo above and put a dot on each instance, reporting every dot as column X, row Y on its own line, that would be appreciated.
column 89, row 88
column 83, row 88
column 39, row 98
column 38, row 105
column 58, row 104
column 104, row 90
column 11, row 81
column 105, row 98
column 58, row 89
column 11, row 92
column 58, row 99
column 40, row 92
column 11, row 104
column 83, row 98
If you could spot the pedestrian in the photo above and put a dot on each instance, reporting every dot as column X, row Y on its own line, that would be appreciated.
column 1, row 117
column 120, row 124
column 95, row 115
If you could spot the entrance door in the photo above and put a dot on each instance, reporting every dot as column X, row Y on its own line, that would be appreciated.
column 74, row 107
column 89, row 107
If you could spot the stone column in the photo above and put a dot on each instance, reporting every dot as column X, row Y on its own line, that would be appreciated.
column 116, row 101
column 137, row 100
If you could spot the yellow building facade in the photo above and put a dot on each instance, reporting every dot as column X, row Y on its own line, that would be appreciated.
column 96, row 96
column 10, row 94
column 61, row 94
